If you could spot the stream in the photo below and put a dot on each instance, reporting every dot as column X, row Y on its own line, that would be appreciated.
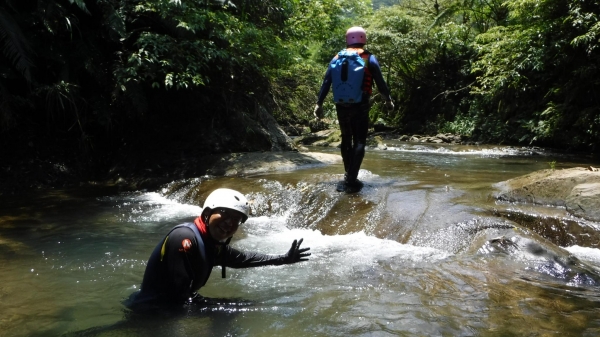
column 423, row 250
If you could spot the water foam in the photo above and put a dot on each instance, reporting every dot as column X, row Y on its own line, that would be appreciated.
column 266, row 235
column 153, row 207
column 585, row 253
column 458, row 150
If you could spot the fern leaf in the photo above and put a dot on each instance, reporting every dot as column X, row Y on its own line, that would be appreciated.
column 14, row 45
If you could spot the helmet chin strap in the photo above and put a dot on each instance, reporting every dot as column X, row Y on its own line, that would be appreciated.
column 223, row 264
column 206, row 214
column 205, row 217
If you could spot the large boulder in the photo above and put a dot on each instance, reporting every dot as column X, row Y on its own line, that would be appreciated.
column 584, row 201
column 577, row 189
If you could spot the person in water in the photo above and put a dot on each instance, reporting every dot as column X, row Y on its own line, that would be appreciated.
column 182, row 262
column 354, row 117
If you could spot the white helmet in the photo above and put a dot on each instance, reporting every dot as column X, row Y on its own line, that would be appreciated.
column 227, row 198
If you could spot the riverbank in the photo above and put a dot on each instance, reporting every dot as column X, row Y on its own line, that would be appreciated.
column 147, row 170
column 49, row 165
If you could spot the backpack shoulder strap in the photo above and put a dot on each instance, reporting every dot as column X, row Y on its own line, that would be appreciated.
column 194, row 229
column 366, row 55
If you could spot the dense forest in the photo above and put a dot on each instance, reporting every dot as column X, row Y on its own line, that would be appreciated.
column 99, row 80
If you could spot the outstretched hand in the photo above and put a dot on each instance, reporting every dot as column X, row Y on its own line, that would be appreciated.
column 295, row 254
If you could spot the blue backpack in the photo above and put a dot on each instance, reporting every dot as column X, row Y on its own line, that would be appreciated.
column 347, row 73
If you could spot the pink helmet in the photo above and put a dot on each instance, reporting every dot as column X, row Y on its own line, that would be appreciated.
column 356, row 35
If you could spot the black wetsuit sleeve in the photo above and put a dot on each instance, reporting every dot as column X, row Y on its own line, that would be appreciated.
column 378, row 77
column 234, row 258
column 325, row 86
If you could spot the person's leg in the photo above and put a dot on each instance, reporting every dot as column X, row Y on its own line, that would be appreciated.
column 344, row 118
column 360, row 125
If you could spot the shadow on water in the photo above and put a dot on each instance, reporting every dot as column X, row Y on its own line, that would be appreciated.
column 204, row 317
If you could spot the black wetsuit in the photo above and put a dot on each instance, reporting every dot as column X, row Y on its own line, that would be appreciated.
column 182, row 262
column 354, row 118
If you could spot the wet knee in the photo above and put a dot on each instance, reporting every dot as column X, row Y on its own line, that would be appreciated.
column 359, row 148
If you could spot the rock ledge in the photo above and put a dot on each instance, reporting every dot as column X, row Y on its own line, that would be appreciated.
column 577, row 189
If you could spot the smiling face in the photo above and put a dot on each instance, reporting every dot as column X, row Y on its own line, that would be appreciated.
column 223, row 223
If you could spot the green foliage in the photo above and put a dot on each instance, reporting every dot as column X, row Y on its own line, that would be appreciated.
column 462, row 124
column 537, row 72
column 318, row 31
column 425, row 66
column 17, row 49
column 103, row 66
column 295, row 90
column 199, row 40
column 517, row 71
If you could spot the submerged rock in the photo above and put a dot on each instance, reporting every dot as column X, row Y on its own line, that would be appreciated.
column 544, row 258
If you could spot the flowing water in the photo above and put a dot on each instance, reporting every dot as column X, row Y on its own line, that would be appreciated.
column 423, row 250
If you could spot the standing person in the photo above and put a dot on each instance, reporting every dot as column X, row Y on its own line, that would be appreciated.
column 182, row 262
column 353, row 109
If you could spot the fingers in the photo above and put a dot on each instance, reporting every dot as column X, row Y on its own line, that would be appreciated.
column 303, row 249
column 297, row 254
column 294, row 246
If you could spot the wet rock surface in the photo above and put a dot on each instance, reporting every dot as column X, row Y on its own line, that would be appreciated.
column 577, row 189
column 147, row 172
column 331, row 137
column 226, row 164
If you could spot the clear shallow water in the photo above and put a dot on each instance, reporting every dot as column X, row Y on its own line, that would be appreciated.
column 415, row 253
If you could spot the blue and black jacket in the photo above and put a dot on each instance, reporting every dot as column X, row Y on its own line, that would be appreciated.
column 372, row 73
